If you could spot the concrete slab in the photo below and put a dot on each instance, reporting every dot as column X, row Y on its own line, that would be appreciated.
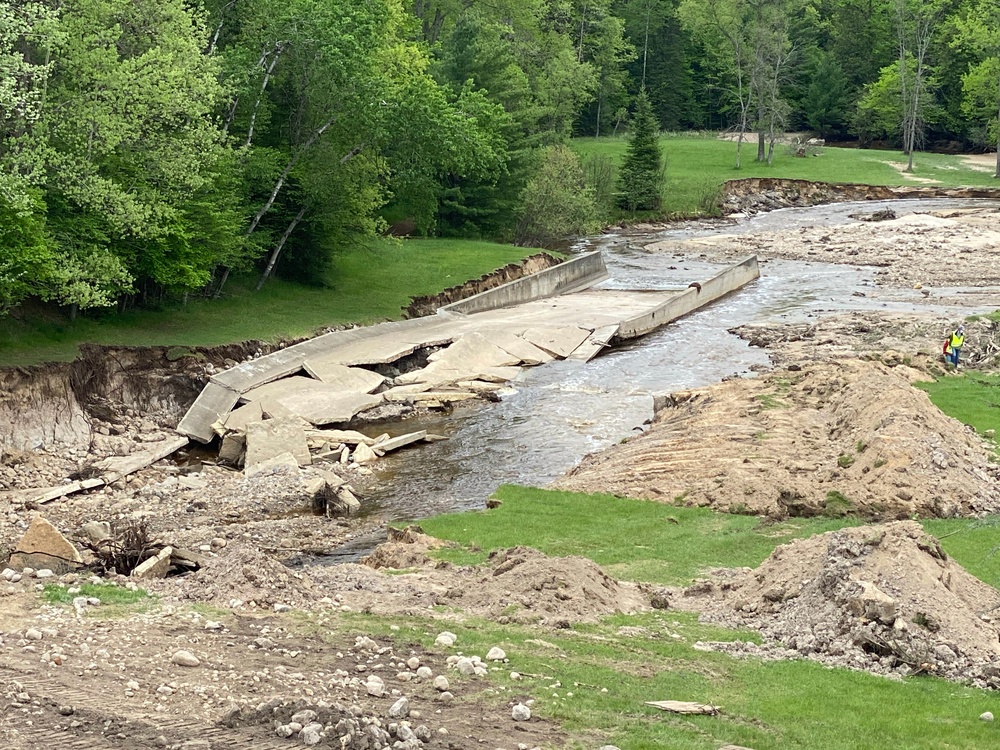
column 523, row 349
column 338, row 437
column 239, row 418
column 353, row 379
column 282, row 461
column 215, row 402
column 594, row 343
column 121, row 466
column 272, row 437
column 291, row 386
column 558, row 340
column 472, row 352
column 321, row 408
column 393, row 444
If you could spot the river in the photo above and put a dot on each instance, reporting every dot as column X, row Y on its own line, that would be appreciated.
column 554, row 415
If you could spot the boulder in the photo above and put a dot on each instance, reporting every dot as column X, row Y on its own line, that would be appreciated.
column 42, row 546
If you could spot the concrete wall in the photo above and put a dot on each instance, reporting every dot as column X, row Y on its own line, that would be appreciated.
column 718, row 286
column 572, row 276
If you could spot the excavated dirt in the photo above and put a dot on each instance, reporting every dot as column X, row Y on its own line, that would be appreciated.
column 825, row 438
column 883, row 598
column 958, row 248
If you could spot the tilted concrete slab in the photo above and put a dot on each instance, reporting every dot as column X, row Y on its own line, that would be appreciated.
column 214, row 403
column 393, row 444
column 473, row 351
column 279, row 390
column 594, row 343
column 559, row 340
column 523, row 349
column 272, row 437
column 353, row 379
column 329, row 408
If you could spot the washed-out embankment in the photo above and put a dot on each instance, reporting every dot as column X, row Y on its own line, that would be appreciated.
column 55, row 403
column 756, row 194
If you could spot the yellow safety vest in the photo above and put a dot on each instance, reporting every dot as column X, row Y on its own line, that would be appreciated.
column 956, row 341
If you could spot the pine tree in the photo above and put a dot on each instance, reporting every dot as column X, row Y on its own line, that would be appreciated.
column 641, row 173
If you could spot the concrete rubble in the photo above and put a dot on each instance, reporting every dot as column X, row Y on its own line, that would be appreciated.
column 43, row 547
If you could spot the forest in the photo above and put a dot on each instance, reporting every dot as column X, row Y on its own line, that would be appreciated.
column 150, row 148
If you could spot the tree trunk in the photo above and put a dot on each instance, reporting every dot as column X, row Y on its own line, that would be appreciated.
column 273, row 260
column 996, row 174
column 645, row 44
column 598, row 133
column 760, row 146
column 279, row 47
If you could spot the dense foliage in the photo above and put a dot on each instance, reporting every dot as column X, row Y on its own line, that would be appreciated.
column 148, row 147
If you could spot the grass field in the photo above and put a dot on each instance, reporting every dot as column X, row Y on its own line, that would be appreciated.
column 697, row 166
column 365, row 285
column 594, row 679
column 972, row 398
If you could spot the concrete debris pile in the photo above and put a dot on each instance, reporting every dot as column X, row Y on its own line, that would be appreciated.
column 847, row 437
column 886, row 599
column 244, row 576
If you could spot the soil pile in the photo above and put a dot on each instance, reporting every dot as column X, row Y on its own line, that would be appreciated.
column 827, row 438
column 886, row 599
column 243, row 574
column 524, row 585
column 406, row 548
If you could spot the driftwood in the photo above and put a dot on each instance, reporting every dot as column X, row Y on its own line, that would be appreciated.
column 685, row 707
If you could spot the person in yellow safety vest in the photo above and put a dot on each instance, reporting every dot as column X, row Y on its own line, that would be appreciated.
column 953, row 346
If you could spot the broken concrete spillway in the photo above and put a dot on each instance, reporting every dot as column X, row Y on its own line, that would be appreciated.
column 469, row 349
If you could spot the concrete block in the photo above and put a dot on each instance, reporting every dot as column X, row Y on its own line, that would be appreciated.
column 156, row 566
column 42, row 546
column 329, row 408
column 282, row 460
column 524, row 350
column 349, row 379
column 558, row 340
column 272, row 437
column 392, row 444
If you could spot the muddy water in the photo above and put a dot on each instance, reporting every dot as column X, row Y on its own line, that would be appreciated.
column 554, row 415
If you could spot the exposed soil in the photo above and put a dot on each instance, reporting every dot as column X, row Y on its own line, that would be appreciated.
column 824, row 438
column 940, row 249
column 883, row 598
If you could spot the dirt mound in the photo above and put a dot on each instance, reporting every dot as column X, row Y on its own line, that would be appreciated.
column 246, row 575
column 406, row 548
column 827, row 438
column 883, row 598
column 524, row 585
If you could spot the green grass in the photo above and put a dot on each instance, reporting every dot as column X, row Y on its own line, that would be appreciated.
column 364, row 286
column 697, row 166
column 595, row 682
column 631, row 539
column 971, row 398
column 116, row 601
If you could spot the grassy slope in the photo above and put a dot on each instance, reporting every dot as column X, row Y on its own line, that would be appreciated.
column 696, row 166
column 971, row 398
column 365, row 285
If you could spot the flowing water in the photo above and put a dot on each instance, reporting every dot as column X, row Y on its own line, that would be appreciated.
column 555, row 414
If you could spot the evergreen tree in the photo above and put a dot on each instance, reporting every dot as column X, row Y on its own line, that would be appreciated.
column 642, row 170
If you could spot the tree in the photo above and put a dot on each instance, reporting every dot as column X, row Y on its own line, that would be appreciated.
column 826, row 99
column 915, row 22
column 978, row 29
column 641, row 175
column 556, row 204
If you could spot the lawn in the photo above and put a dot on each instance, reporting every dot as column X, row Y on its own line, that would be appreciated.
column 364, row 286
column 698, row 165
column 971, row 398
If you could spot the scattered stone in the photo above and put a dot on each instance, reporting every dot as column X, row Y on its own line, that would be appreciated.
column 441, row 683
column 33, row 634
column 496, row 654
column 986, row 716
column 445, row 697
column 424, row 673
column 96, row 531
column 520, row 712
column 183, row 658
column 363, row 454
column 446, row 639
column 413, row 663
column 400, row 709
column 685, row 707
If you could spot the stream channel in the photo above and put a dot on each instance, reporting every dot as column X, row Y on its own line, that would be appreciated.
column 555, row 414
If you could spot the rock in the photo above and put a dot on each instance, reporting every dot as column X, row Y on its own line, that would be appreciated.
column 282, row 460
column 304, row 717
column 868, row 601
column 42, row 546
column 496, row 654
column 232, row 449
column 156, row 566
column 609, row 747
column 445, row 639
column 445, row 697
column 96, row 531
column 735, row 747
column 520, row 712
column 413, row 663
column 400, row 709
column 986, row 716
column 375, row 686
column 347, row 503
column 271, row 438
column 310, row 734
column 363, row 454
column 44, row 573
column 441, row 683
column 284, row 731
column 183, row 658
column 424, row 673
column 465, row 666
column 33, row 634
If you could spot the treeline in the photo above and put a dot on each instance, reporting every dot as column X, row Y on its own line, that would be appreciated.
column 148, row 148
